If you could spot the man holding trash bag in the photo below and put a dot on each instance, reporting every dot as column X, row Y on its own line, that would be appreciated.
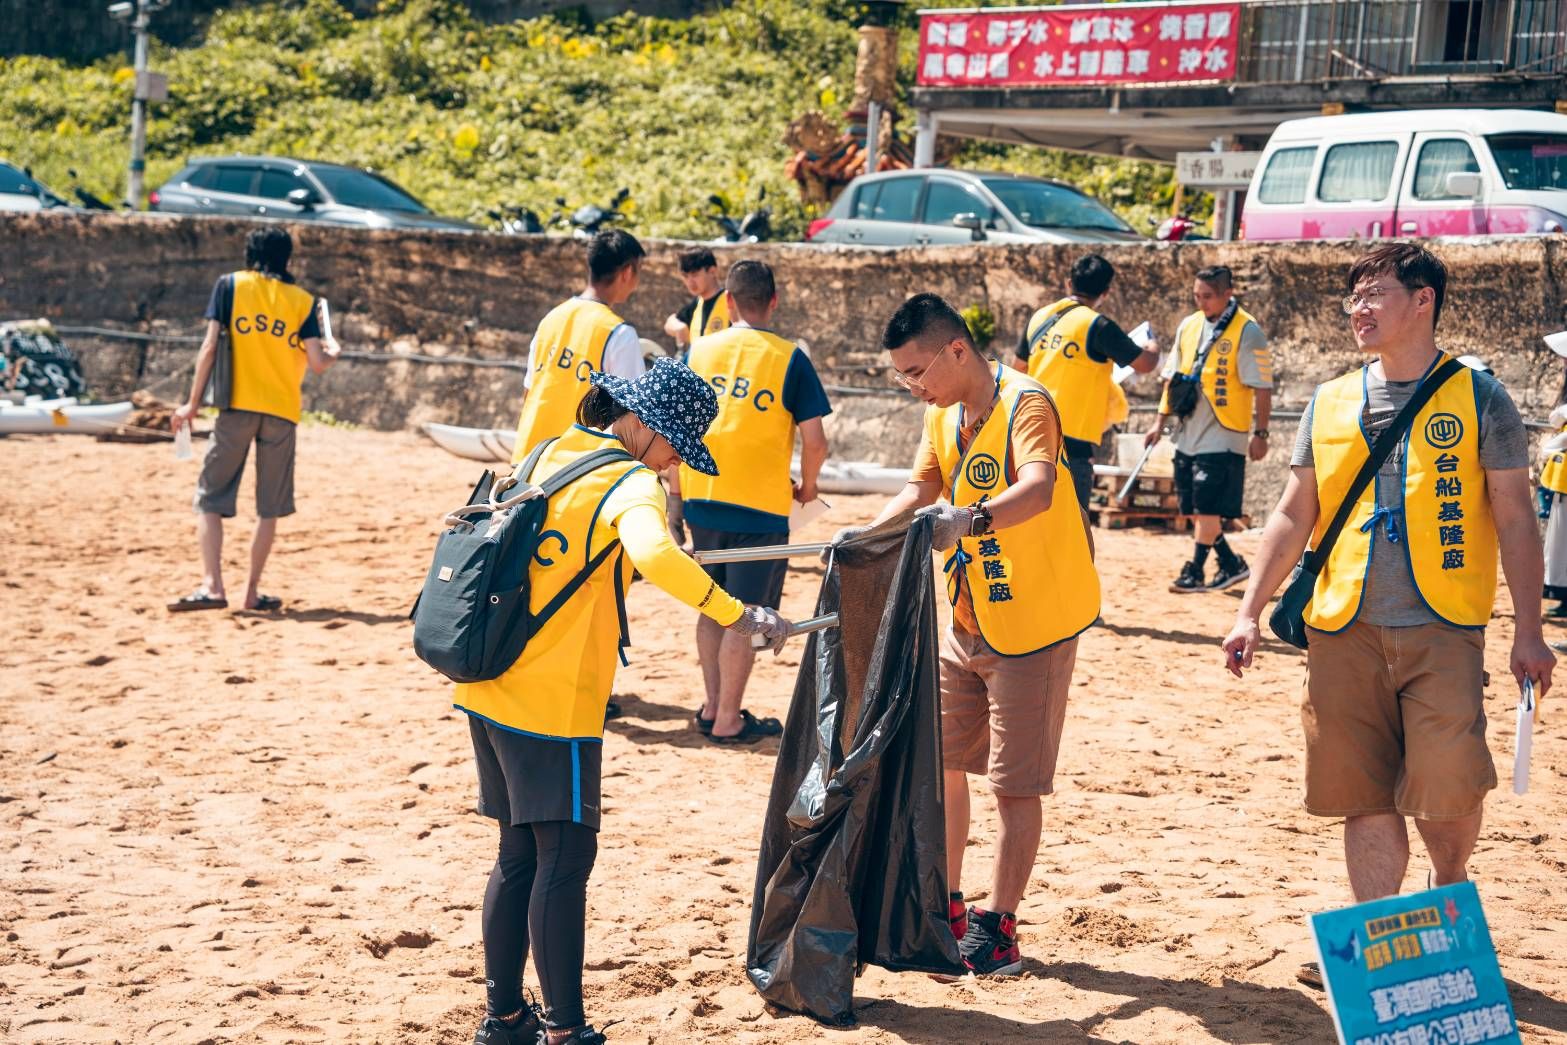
column 1023, row 586
column 1394, row 710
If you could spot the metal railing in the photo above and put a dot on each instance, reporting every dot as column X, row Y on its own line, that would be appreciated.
column 1293, row 41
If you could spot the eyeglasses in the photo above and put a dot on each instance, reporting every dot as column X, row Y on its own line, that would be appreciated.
column 1371, row 297
column 915, row 384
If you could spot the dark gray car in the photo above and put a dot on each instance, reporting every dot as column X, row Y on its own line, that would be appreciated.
column 295, row 190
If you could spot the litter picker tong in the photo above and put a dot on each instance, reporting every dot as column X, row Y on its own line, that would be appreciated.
column 761, row 554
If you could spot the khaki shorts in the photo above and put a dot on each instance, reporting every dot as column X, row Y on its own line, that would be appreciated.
column 1002, row 716
column 1395, row 722
column 217, row 490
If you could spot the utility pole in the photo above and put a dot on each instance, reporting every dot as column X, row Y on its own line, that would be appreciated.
column 148, row 87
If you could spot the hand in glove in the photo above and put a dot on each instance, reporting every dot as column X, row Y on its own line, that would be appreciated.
column 759, row 620
column 848, row 533
column 675, row 514
column 947, row 524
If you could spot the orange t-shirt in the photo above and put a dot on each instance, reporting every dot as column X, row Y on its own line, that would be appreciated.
column 1036, row 436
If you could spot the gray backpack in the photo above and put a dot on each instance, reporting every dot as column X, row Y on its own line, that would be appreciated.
column 472, row 619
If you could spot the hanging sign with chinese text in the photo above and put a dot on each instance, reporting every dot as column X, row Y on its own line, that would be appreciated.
column 1216, row 170
column 1110, row 44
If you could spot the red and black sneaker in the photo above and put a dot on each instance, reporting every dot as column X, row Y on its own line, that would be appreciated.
column 957, row 916
column 989, row 948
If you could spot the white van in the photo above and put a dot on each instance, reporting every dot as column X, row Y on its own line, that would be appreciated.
column 1421, row 172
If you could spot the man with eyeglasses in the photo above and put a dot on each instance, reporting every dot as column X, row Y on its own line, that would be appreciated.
column 1023, row 586
column 1394, row 710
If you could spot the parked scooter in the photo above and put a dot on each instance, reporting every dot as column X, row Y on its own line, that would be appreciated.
column 1175, row 228
column 517, row 221
column 89, row 200
column 587, row 220
column 755, row 227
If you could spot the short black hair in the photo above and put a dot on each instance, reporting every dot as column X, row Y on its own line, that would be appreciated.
column 696, row 259
column 751, row 284
column 610, row 251
column 268, row 250
column 1413, row 266
column 1091, row 275
column 1219, row 277
column 924, row 318
column 599, row 409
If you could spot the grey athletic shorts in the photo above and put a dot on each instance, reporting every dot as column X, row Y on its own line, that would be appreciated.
column 217, row 490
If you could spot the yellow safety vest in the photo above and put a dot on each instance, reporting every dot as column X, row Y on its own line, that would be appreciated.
column 718, row 320
column 268, row 356
column 1553, row 473
column 1230, row 398
column 1446, row 528
column 1034, row 584
column 753, row 437
column 561, row 683
column 1079, row 385
column 571, row 342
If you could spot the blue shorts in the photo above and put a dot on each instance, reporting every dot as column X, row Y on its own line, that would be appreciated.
column 753, row 583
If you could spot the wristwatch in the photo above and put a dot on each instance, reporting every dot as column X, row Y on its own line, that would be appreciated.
column 1260, row 433
column 981, row 522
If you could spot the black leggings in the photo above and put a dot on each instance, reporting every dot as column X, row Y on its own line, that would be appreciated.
column 539, row 887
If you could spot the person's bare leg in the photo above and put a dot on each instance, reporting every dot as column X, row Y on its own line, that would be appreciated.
column 1022, row 820
column 260, row 548
column 955, row 783
column 1206, row 529
column 709, row 643
column 209, row 531
column 1450, row 843
column 735, row 657
column 1376, row 852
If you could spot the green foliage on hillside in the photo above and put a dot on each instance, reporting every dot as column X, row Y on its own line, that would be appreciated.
column 471, row 116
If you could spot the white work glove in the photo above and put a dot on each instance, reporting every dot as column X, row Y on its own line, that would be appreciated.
column 848, row 533
column 759, row 620
column 947, row 524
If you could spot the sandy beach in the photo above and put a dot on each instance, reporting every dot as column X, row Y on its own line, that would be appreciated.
column 237, row 827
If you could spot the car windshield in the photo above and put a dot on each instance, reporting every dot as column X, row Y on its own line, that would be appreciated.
column 1046, row 206
column 353, row 188
column 16, row 183
column 1531, row 160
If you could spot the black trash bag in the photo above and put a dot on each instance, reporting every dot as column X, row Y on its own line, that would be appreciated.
column 853, row 864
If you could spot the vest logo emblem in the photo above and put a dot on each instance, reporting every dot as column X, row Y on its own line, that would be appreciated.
column 983, row 472
column 1444, row 431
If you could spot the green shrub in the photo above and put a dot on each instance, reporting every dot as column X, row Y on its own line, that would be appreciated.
column 469, row 117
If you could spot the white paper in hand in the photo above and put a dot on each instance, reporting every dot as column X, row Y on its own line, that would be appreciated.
column 182, row 450
column 326, row 320
column 1525, row 739
column 1141, row 336
column 1557, row 342
column 802, row 515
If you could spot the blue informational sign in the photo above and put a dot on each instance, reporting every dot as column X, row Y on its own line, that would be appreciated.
column 1414, row 970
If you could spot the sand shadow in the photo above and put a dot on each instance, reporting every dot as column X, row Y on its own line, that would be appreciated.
column 1191, row 638
column 633, row 706
column 683, row 736
column 1231, row 1011
column 1537, row 1008
column 960, row 1023
column 324, row 615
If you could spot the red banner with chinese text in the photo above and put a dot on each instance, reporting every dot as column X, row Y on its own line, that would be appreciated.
column 1109, row 44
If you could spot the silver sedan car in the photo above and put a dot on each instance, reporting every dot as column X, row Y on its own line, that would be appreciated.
column 932, row 206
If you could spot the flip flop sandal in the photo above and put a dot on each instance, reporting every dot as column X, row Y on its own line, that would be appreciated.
column 612, row 710
column 200, row 599
column 267, row 604
column 752, row 729
column 703, row 726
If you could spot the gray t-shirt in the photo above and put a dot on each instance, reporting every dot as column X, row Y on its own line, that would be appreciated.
column 1391, row 599
column 1201, row 433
